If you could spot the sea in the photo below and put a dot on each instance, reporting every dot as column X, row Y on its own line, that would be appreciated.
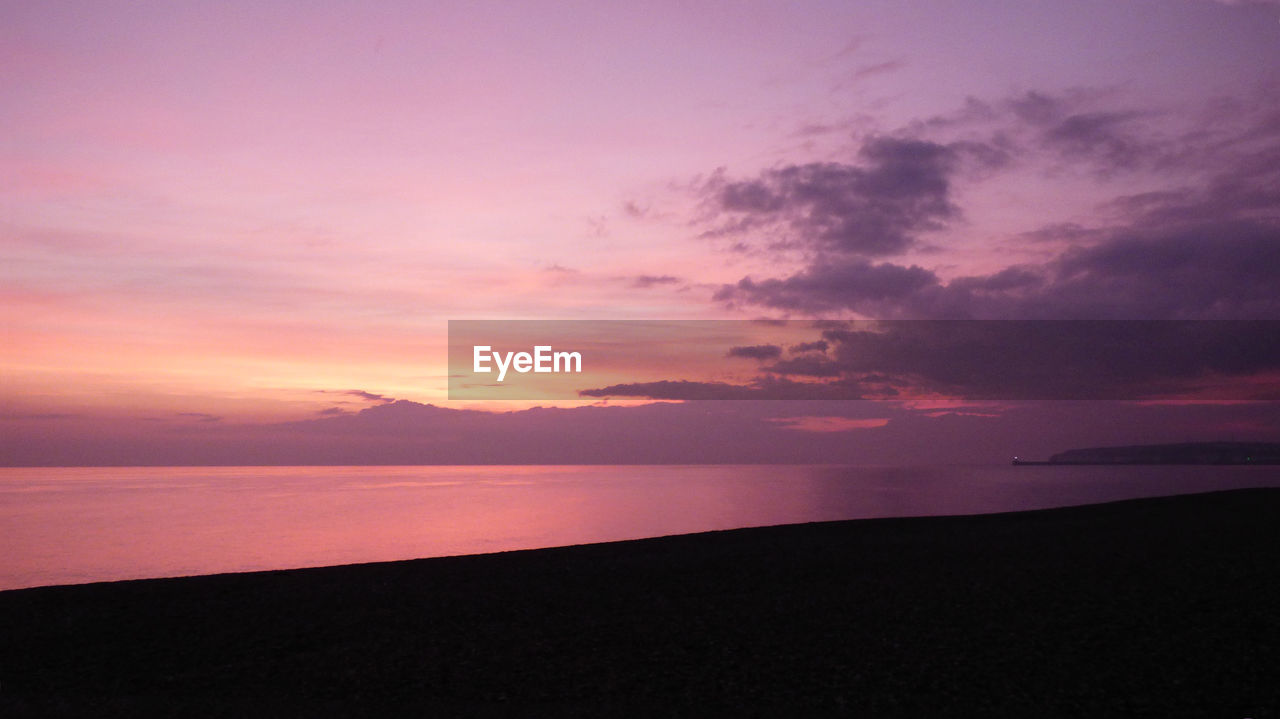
column 93, row 524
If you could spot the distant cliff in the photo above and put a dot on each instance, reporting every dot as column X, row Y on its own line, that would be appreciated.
column 1184, row 453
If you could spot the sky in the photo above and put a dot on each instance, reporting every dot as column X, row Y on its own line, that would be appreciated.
column 236, row 232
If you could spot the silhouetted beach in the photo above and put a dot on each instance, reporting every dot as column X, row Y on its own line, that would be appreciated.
column 1163, row 606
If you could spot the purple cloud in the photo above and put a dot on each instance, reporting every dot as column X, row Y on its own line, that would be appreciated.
column 832, row 284
column 818, row 346
column 1215, row 271
column 901, row 188
column 1208, row 249
column 758, row 352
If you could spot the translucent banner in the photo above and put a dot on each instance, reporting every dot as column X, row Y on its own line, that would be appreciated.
column 880, row 359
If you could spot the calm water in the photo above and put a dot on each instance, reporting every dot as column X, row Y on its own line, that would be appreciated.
column 70, row 525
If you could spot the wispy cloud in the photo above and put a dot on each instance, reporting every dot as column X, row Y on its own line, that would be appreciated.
column 647, row 281
column 824, row 424
column 201, row 416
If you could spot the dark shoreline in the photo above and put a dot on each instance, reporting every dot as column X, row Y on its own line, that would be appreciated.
column 1218, row 454
column 1166, row 606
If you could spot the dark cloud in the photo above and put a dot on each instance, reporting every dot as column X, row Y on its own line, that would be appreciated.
column 807, row 366
column 201, row 416
column 758, row 352
column 1208, row 248
column 1101, row 135
column 1214, row 271
column 1249, row 189
column 1070, row 127
column 835, row 284
column 877, row 207
column 818, row 346
column 1035, row 359
column 333, row 412
column 1078, row 127
column 1220, row 270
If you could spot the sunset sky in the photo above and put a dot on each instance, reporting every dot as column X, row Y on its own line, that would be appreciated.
column 224, row 224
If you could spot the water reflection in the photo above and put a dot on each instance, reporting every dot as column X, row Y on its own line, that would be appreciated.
column 68, row 525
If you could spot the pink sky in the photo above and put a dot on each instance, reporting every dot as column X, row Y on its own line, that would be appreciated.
column 226, row 208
